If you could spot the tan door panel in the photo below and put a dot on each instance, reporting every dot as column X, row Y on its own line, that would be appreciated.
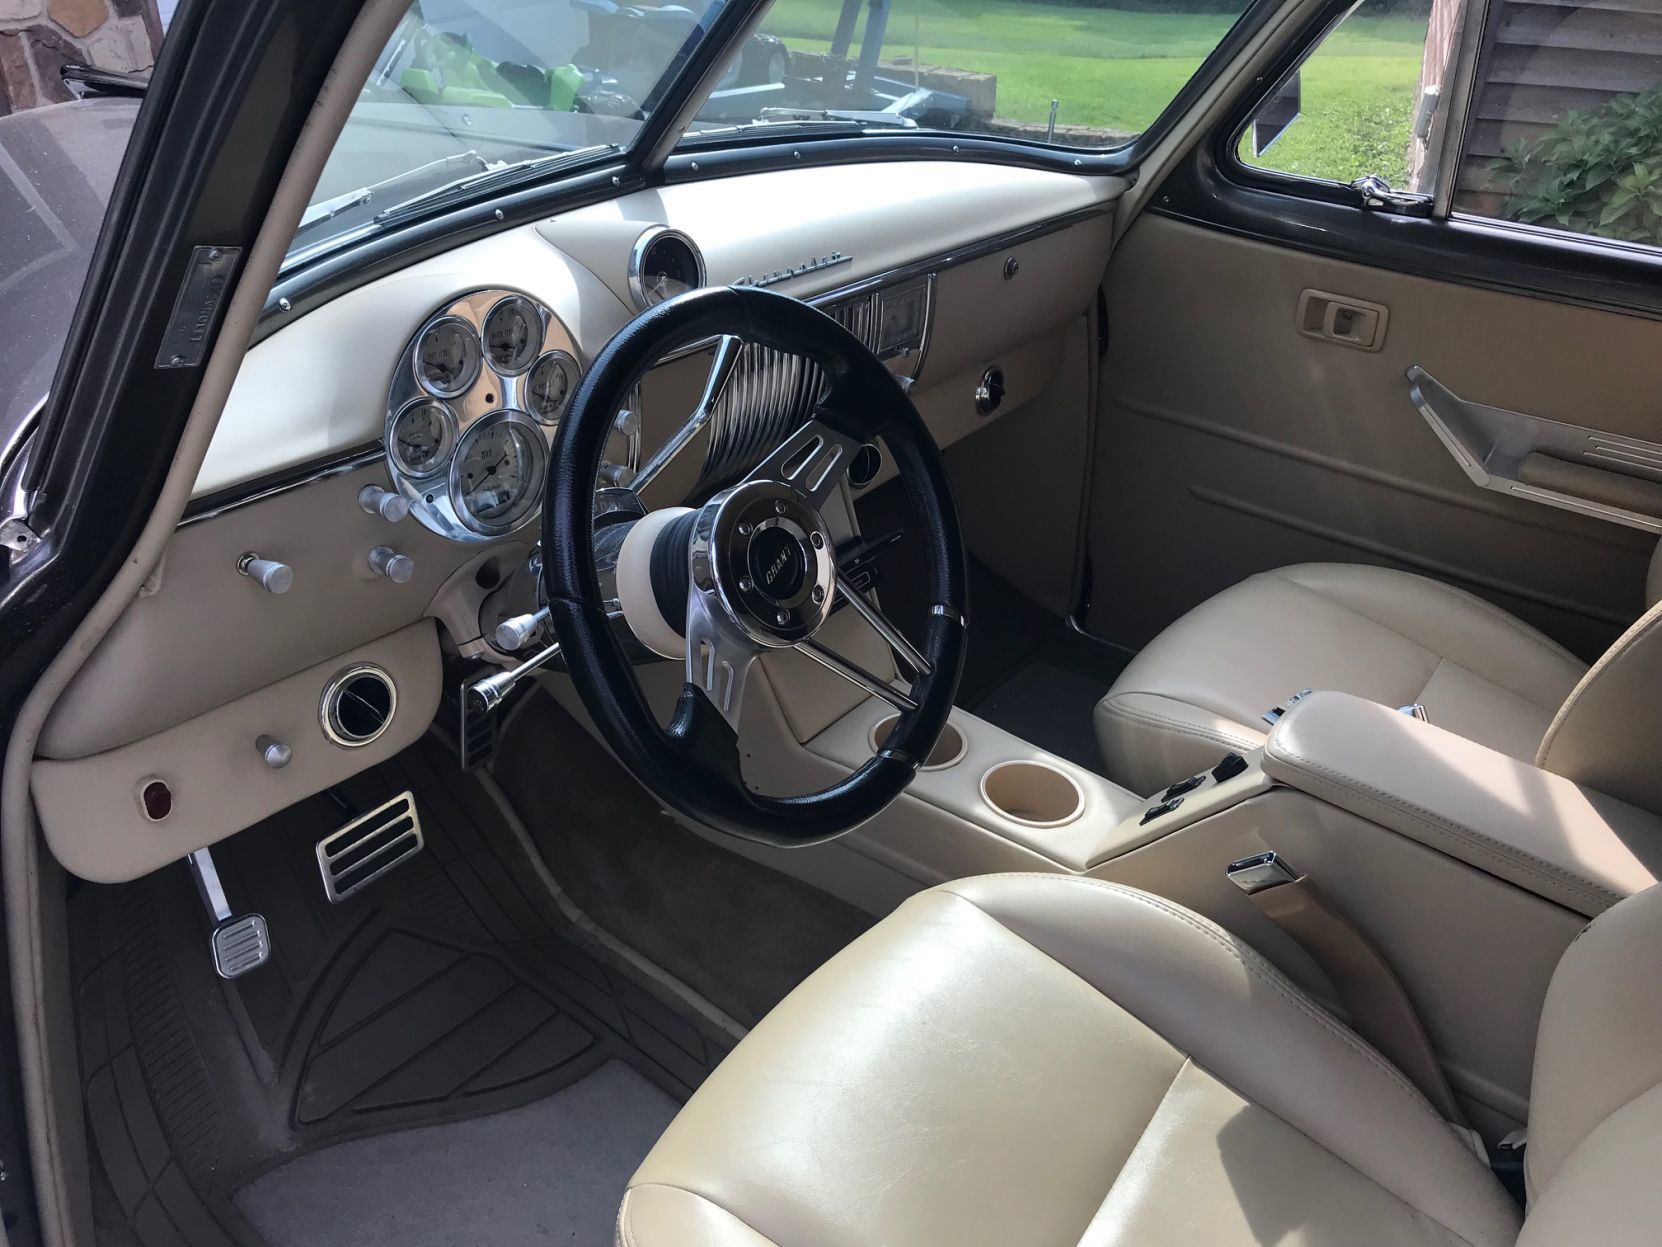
column 1238, row 432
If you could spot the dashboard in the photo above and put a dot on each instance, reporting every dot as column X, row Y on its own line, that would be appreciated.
column 388, row 452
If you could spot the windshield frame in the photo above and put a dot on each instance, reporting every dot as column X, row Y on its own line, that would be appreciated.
column 654, row 159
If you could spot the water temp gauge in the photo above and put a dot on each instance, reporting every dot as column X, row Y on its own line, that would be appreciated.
column 549, row 386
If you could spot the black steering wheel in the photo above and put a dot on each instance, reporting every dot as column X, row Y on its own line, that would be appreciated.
column 752, row 570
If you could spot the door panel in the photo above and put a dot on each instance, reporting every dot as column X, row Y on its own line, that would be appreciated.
column 1232, row 439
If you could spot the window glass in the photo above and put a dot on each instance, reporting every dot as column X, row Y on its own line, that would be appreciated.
column 63, row 131
column 467, row 90
column 1072, row 72
column 1366, row 101
column 1566, row 128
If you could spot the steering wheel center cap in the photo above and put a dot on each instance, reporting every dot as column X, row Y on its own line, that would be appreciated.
column 770, row 557
column 779, row 561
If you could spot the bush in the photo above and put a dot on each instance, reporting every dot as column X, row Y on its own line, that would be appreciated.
column 1595, row 172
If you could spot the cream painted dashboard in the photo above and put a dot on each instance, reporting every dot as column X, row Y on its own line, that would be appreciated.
column 205, row 661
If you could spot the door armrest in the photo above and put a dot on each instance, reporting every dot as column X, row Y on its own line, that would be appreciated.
column 1540, row 831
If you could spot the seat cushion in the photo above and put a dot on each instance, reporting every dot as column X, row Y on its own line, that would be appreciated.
column 1043, row 1059
column 1201, row 687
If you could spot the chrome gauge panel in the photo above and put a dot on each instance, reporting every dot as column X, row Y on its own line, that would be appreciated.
column 472, row 401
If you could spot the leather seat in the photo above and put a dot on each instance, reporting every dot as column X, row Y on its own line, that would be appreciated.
column 1201, row 687
column 1028, row 1060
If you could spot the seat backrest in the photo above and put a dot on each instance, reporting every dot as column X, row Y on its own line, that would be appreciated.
column 1595, row 1112
column 1605, row 733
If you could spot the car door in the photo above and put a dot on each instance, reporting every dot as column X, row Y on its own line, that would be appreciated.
column 1449, row 370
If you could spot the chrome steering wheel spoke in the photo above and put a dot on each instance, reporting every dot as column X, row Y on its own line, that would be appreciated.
column 904, row 650
column 856, row 675
column 728, row 350
column 719, row 655
column 811, row 461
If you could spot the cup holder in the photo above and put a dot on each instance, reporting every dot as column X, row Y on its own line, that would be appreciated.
column 948, row 750
column 1035, row 794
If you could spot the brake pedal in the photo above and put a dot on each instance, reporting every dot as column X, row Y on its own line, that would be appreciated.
column 369, row 846
column 239, row 944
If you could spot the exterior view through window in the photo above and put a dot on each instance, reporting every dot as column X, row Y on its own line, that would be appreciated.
column 1564, row 122
column 72, row 73
column 1082, row 74
column 468, row 90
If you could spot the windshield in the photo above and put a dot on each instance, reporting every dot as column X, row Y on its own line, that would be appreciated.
column 1077, row 73
column 485, row 89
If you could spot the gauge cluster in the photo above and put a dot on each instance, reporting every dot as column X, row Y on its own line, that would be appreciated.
column 472, row 399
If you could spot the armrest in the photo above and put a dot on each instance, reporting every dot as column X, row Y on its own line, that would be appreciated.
column 1540, row 831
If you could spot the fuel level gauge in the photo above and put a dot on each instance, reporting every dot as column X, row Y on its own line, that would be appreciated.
column 423, row 435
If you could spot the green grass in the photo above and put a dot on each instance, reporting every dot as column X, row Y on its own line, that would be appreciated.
column 1117, row 69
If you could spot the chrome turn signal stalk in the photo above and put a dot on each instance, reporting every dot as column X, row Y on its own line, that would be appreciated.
column 487, row 694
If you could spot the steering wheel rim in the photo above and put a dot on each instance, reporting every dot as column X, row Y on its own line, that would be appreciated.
column 693, row 764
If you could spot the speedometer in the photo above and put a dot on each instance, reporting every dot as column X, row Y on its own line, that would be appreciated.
column 497, row 475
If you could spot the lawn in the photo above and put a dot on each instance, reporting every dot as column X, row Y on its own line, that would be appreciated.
column 1116, row 69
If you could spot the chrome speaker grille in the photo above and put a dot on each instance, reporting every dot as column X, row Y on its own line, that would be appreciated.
column 769, row 397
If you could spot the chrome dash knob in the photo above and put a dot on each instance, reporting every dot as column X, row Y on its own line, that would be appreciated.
column 396, row 567
column 273, row 752
column 270, row 575
column 383, row 502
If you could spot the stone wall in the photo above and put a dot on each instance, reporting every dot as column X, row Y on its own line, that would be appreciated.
column 38, row 37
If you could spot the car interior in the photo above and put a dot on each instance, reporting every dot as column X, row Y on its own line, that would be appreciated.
column 859, row 686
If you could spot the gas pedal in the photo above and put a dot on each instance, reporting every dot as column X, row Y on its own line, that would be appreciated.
column 238, row 943
column 369, row 846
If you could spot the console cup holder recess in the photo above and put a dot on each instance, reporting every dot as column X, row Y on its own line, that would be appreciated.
column 1032, row 793
column 948, row 751
column 358, row 705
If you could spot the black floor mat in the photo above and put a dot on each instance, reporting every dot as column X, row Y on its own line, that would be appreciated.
column 450, row 988
column 1025, row 670
column 739, row 933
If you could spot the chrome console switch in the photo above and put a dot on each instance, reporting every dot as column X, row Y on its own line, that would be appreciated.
column 273, row 752
column 270, row 575
column 396, row 567
column 383, row 502
column 1260, row 872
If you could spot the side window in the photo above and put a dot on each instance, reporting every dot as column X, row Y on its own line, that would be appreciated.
column 1369, row 100
column 1566, row 128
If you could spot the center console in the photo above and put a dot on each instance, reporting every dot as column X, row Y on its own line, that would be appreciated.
column 1469, row 870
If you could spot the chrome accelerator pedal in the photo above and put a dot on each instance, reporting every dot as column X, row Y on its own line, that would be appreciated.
column 369, row 846
column 239, row 944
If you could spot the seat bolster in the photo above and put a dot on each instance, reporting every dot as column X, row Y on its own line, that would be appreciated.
column 654, row 1213
column 1154, row 740
column 1239, row 1018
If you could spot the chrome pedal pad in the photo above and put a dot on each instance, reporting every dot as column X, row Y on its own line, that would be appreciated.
column 369, row 846
column 240, row 945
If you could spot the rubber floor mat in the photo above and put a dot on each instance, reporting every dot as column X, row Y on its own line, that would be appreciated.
column 449, row 989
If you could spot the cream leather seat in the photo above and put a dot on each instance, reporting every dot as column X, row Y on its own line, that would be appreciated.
column 1036, row 1060
column 1202, row 686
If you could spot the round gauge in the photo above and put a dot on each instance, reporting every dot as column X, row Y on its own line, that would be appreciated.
column 422, row 435
column 497, row 473
column 549, row 386
column 663, row 264
column 513, row 335
column 447, row 357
